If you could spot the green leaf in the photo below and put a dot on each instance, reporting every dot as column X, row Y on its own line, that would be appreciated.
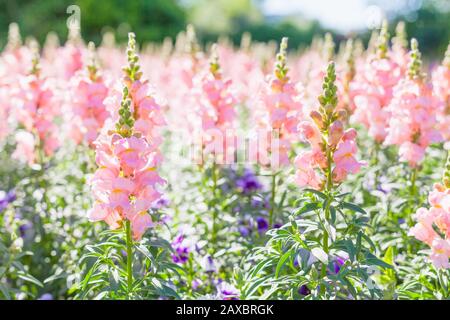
column 255, row 285
column 316, row 192
column 282, row 261
column 349, row 285
column 307, row 208
column 4, row 291
column 2, row 271
column 333, row 215
column 353, row 207
column 372, row 260
column 261, row 266
column 29, row 278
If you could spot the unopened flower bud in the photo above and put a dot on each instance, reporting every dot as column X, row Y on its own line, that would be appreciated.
column 317, row 118
column 335, row 134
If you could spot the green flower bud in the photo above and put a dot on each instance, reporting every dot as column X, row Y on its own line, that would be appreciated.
column 383, row 41
column 415, row 65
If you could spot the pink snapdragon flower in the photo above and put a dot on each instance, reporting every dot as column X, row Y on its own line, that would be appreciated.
column 413, row 125
column 36, row 108
column 89, row 92
column 125, row 185
column 441, row 90
column 372, row 90
column 216, row 110
column 333, row 149
column 437, row 217
column 279, row 110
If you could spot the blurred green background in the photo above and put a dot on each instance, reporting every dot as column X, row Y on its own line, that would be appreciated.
column 152, row 20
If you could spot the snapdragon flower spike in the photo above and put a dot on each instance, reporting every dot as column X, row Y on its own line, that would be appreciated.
column 413, row 124
column 70, row 57
column 14, row 39
column 333, row 149
column 372, row 89
column 399, row 52
column 433, row 224
column 346, row 76
column 328, row 47
column 36, row 109
column 216, row 109
column 146, row 115
column 383, row 41
column 132, row 71
column 441, row 90
column 415, row 64
column 89, row 111
column 400, row 40
column 125, row 185
column 281, row 68
column 279, row 110
column 192, row 46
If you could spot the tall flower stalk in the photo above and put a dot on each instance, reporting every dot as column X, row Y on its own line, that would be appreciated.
column 333, row 152
column 127, row 154
column 433, row 225
column 413, row 124
column 278, row 114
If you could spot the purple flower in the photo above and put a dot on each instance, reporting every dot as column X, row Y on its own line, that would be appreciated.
column 7, row 198
column 304, row 290
column 161, row 203
column 181, row 254
column 25, row 228
column 256, row 203
column 227, row 291
column 248, row 182
column 338, row 262
column 195, row 284
column 401, row 221
column 262, row 224
column 209, row 265
column 46, row 296
column 244, row 231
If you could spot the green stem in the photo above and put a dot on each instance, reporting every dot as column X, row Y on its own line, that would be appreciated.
column 413, row 182
column 129, row 257
column 272, row 200
column 329, row 185
column 214, row 209
column 376, row 152
column 412, row 196
column 328, row 189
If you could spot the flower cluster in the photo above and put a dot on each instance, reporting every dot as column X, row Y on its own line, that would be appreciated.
column 6, row 198
column 280, row 109
column 217, row 109
column 88, row 95
column 181, row 251
column 412, row 125
column 373, row 90
column 248, row 182
column 125, row 183
column 433, row 225
column 333, row 148
column 441, row 90
column 37, row 108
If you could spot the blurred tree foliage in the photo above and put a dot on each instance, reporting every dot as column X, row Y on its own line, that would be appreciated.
column 430, row 25
column 152, row 20
column 233, row 17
